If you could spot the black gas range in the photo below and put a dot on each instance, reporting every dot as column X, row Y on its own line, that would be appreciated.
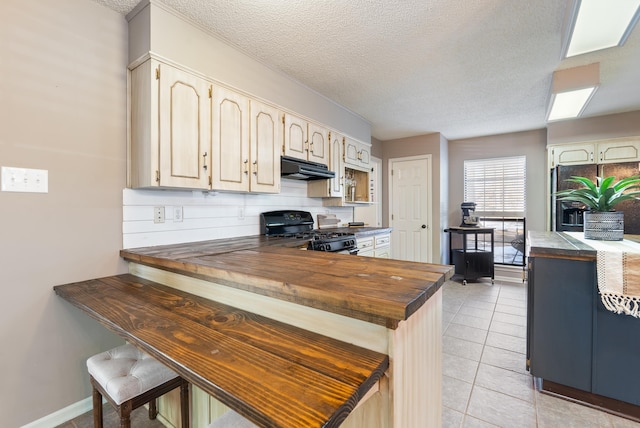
column 299, row 225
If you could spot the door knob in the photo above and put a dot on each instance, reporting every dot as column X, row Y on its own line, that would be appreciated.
column 424, row 226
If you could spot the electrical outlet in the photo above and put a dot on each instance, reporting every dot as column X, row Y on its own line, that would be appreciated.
column 158, row 214
column 177, row 214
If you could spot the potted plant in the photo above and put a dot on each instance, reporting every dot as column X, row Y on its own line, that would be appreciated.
column 602, row 221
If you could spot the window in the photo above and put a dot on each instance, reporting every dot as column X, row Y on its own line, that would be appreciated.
column 497, row 186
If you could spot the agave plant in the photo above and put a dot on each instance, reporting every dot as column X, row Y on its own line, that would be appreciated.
column 602, row 195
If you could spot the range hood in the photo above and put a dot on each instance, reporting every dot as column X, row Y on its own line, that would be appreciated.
column 298, row 169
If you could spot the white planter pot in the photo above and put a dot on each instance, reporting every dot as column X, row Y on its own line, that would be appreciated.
column 604, row 226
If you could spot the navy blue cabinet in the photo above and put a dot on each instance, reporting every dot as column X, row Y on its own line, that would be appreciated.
column 574, row 341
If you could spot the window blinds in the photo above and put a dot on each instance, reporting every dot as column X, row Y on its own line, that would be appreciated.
column 497, row 186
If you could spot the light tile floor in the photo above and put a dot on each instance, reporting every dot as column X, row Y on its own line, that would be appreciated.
column 485, row 381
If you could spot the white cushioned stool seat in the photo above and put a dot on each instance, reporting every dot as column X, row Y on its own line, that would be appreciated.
column 125, row 372
column 129, row 378
column 232, row 420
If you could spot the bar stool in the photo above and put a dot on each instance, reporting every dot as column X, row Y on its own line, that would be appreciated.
column 232, row 420
column 129, row 378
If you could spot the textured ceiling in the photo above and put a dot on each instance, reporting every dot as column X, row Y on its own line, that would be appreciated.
column 459, row 67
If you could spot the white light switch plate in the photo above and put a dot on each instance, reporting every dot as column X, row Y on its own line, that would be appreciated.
column 24, row 180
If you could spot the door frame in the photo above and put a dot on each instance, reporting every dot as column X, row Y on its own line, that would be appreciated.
column 429, row 219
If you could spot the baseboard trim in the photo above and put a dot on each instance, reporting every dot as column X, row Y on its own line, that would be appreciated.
column 63, row 415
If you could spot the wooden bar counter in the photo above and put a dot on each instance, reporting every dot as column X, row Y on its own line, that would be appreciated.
column 320, row 327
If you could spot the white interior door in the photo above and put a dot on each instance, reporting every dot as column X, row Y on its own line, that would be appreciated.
column 410, row 205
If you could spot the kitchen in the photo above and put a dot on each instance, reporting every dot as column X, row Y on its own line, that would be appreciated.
column 76, row 231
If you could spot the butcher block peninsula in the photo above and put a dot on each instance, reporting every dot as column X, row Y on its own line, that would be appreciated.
column 282, row 336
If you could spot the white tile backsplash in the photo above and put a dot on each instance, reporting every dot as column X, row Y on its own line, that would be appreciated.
column 214, row 215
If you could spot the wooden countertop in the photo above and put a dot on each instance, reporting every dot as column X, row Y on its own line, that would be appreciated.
column 380, row 291
column 562, row 245
column 272, row 373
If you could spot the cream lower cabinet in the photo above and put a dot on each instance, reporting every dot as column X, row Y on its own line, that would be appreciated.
column 245, row 144
column 305, row 140
column 170, row 123
column 378, row 245
column 382, row 246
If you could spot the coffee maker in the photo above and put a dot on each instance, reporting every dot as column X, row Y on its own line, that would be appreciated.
column 469, row 219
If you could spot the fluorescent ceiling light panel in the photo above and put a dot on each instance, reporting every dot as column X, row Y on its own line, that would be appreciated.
column 602, row 24
column 568, row 105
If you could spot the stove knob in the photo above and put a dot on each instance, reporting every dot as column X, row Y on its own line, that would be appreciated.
column 321, row 247
column 327, row 247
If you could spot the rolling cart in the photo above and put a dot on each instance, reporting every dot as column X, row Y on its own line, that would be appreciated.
column 472, row 254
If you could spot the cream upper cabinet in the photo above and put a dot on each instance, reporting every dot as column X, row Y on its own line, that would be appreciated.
column 230, row 140
column 265, row 139
column 352, row 181
column 619, row 150
column 170, row 125
column 295, row 137
column 318, row 144
column 305, row 140
column 336, row 185
column 246, row 143
column 602, row 151
column 572, row 154
column 357, row 153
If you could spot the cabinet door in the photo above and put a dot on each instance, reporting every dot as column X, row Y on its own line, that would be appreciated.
column 383, row 253
column 619, row 151
column 365, row 155
column 318, row 144
column 572, row 154
column 351, row 148
column 185, row 118
column 357, row 153
column 295, row 137
column 230, row 140
column 336, row 185
column 265, row 137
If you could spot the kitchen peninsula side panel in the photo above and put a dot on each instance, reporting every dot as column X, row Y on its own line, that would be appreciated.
column 561, row 318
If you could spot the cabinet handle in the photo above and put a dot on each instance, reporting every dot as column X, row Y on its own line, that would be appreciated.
column 255, row 167
column 591, row 156
column 246, row 166
column 204, row 161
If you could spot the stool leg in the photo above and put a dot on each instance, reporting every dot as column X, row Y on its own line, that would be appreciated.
column 125, row 414
column 153, row 409
column 97, row 408
column 184, row 404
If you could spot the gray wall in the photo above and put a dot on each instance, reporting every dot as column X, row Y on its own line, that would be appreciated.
column 529, row 143
column 63, row 92
column 435, row 145
column 595, row 128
